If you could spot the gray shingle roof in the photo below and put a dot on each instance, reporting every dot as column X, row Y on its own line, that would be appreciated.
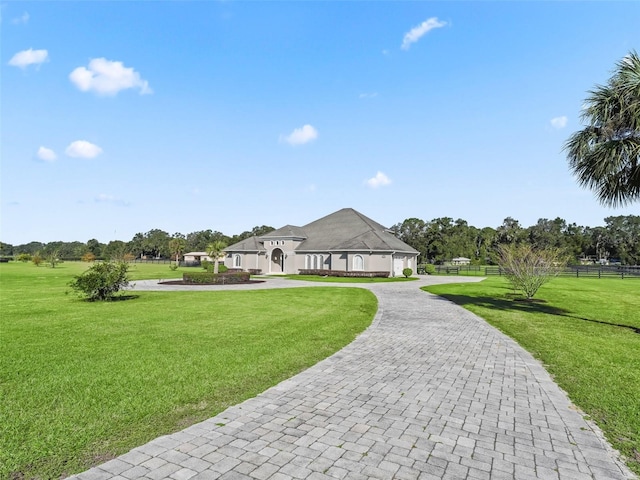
column 286, row 231
column 346, row 229
column 251, row 244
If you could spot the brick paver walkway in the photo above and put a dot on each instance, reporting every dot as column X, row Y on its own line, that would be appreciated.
column 429, row 391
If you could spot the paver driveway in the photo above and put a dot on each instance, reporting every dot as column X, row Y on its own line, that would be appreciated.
column 429, row 391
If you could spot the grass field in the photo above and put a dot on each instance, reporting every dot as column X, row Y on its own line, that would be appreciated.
column 82, row 382
column 587, row 334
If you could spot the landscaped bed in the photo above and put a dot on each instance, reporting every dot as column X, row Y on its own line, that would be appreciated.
column 82, row 382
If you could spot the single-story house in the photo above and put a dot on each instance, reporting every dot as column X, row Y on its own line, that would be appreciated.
column 345, row 240
column 460, row 261
column 196, row 257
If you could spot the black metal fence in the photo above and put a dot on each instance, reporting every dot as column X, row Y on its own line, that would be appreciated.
column 578, row 271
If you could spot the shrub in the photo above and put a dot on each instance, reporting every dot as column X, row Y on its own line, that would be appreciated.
column 209, row 266
column 528, row 268
column 173, row 267
column 88, row 257
column 200, row 278
column 24, row 257
column 430, row 269
column 101, row 281
column 407, row 272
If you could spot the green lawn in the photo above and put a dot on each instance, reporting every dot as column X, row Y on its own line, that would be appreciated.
column 316, row 278
column 82, row 382
column 587, row 334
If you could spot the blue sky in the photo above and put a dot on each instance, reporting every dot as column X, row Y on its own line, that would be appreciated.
column 120, row 117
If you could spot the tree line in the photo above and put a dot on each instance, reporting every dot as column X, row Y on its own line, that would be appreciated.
column 155, row 243
column 442, row 239
column 438, row 241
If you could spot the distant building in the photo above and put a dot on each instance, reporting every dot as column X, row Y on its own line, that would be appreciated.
column 461, row 261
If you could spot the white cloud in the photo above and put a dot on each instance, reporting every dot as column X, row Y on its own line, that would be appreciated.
column 29, row 57
column 83, row 149
column 300, row 135
column 108, row 78
column 416, row 33
column 559, row 122
column 380, row 180
column 104, row 198
column 47, row 154
column 22, row 19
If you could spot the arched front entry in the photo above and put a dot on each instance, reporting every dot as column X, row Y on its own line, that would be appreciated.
column 277, row 261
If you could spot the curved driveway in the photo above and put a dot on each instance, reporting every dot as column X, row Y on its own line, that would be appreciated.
column 429, row 391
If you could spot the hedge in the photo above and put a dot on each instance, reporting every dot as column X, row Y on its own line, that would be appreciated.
column 201, row 278
column 342, row 273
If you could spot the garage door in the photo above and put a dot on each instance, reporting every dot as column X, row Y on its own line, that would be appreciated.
column 398, row 265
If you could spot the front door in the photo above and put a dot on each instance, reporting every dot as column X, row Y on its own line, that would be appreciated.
column 277, row 261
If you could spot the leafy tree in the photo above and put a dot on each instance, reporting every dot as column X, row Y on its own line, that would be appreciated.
column 115, row 250
column 605, row 155
column 412, row 231
column 528, row 268
column 214, row 250
column 156, row 243
column 95, row 247
column 623, row 235
column 136, row 245
column 510, row 232
column 102, row 281
column 6, row 249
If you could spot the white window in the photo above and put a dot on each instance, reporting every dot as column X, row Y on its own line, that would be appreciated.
column 307, row 262
column 321, row 263
column 358, row 262
column 237, row 261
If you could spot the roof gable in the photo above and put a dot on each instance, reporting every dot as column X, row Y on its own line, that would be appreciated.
column 288, row 231
column 348, row 229
column 251, row 244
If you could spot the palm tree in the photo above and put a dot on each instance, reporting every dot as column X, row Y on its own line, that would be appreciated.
column 214, row 250
column 176, row 245
column 605, row 155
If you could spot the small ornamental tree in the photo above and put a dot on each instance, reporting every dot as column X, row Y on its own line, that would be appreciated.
column 53, row 258
column 37, row 259
column 88, row 257
column 527, row 268
column 407, row 272
column 102, row 281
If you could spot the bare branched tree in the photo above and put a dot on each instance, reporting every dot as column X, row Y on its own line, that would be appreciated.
column 528, row 268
